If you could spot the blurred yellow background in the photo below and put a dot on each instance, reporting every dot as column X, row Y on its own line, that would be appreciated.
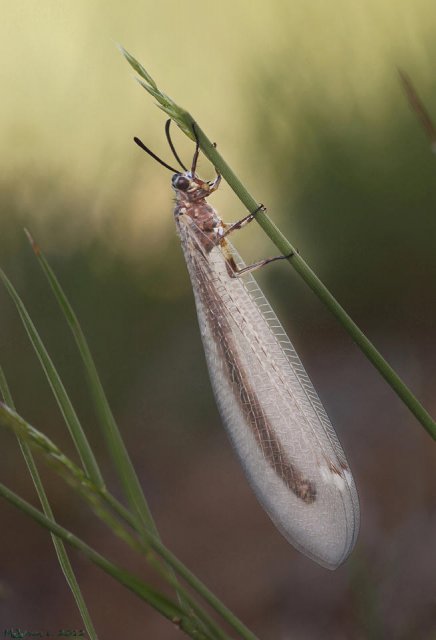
column 305, row 103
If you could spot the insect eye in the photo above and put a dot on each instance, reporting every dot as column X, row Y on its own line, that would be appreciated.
column 181, row 182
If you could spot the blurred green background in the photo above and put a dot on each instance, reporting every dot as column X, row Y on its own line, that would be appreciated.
column 305, row 103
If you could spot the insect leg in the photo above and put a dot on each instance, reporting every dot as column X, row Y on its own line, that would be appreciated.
column 216, row 183
column 234, row 272
column 235, row 226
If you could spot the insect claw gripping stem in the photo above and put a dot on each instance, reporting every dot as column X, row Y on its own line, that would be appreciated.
column 261, row 207
column 213, row 186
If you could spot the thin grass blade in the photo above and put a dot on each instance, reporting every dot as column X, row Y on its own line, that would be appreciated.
column 114, row 441
column 417, row 105
column 180, row 116
column 70, row 416
column 61, row 553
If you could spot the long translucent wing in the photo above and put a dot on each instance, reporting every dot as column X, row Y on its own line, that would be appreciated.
column 275, row 419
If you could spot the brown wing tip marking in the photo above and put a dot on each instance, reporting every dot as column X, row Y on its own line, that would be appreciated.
column 306, row 490
column 294, row 479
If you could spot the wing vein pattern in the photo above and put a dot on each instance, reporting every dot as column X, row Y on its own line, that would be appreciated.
column 273, row 415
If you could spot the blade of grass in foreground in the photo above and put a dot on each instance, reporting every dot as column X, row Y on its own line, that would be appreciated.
column 158, row 601
column 93, row 495
column 185, row 121
column 61, row 553
column 117, row 449
column 70, row 416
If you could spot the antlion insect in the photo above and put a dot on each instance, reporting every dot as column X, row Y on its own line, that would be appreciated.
column 278, row 426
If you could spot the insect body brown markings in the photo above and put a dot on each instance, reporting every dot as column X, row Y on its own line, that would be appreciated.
column 204, row 219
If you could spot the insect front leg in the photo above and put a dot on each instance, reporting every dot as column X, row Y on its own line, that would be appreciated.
column 213, row 186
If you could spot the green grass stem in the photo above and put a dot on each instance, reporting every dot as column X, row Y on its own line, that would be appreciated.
column 111, row 433
column 69, row 414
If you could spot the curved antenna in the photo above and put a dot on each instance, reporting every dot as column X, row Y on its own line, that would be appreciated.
column 170, row 142
column 153, row 155
column 197, row 149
